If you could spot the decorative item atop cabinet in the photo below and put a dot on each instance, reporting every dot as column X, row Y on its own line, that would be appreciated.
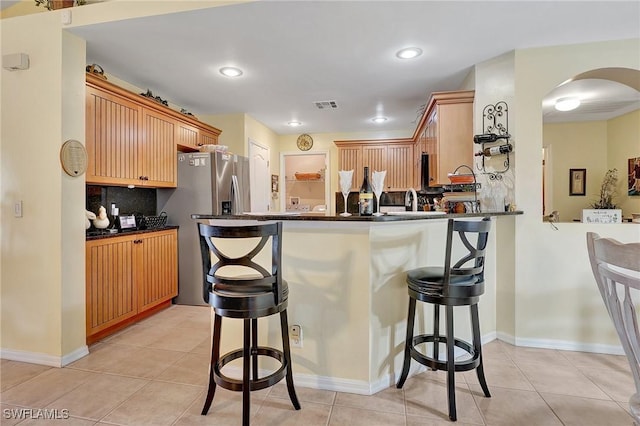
column 132, row 139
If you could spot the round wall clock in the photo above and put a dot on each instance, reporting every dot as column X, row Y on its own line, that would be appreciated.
column 304, row 142
column 73, row 157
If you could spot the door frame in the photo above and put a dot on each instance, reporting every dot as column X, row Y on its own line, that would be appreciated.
column 253, row 143
column 327, row 176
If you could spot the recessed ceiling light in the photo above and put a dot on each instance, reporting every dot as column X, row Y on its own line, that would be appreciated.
column 294, row 123
column 409, row 53
column 379, row 119
column 231, row 71
column 567, row 104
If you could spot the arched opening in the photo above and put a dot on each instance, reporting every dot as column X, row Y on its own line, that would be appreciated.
column 580, row 145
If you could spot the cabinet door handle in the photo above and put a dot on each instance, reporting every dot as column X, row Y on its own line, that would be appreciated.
column 137, row 241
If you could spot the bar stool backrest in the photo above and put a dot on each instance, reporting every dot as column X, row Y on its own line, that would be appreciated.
column 616, row 268
column 261, row 280
column 471, row 265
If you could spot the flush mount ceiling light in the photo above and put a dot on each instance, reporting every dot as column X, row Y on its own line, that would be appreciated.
column 409, row 53
column 379, row 119
column 567, row 104
column 294, row 123
column 231, row 71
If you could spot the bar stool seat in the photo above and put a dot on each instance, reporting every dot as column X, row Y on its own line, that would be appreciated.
column 459, row 284
column 248, row 292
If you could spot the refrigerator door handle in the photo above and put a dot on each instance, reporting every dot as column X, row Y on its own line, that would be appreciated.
column 235, row 196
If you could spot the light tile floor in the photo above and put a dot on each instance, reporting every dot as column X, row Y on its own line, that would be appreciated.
column 155, row 373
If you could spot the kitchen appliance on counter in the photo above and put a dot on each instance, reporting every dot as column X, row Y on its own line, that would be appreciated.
column 214, row 183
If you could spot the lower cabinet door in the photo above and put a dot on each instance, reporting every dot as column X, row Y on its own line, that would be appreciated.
column 156, row 270
column 126, row 276
column 110, row 289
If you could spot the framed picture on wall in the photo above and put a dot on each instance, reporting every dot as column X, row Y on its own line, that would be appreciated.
column 634, row 176
column 577, row 181
column 274, row 183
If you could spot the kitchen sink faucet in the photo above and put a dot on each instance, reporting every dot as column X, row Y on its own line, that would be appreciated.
column 414, row 202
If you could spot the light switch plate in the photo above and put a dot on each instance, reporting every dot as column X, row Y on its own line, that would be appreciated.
column 17, row 208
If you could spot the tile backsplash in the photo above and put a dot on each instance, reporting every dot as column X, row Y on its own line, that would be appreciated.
column 129, row 201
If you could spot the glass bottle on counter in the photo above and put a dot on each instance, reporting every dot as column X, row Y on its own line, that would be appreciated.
column 365, row 199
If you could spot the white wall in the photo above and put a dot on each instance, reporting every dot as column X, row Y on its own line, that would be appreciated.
column 42, row 258
column 556, row 301
column 575, row 145
column 494, row 83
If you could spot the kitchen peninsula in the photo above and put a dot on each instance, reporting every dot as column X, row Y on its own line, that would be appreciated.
column 347, row 290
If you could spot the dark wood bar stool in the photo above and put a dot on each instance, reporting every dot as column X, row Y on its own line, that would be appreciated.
column 459, row 284
column 258, row 292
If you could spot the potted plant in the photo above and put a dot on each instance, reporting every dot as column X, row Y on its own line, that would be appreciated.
column 607, row 191
column 59, row 4
column 604, row 210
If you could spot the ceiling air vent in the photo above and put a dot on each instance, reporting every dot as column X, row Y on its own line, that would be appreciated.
column 326, row 104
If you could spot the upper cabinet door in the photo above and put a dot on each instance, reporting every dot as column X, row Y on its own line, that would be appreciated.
column 454, row 142
column 112, row 138
column 187, row 136
column 207, row 138
column 350, row 158
column 158, row 150
column 374, row 157
column 401, row 167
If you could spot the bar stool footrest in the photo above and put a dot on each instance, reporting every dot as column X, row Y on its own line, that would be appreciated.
column 463, row 365
column 261, row 383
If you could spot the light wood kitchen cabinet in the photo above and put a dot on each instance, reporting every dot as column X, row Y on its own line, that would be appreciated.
column 186, row 135
column 128, row 277
column 191, row 137
column 156, row 268
column 445, row 132
column 112, row 138
column 133, row 140
column 396, row 156
column 350, row 158
column 447, row 126
column 401, row 169
column 207, row 138
column 157, row 151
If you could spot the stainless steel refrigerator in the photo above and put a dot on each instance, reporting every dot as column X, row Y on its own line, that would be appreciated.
column 209, row 183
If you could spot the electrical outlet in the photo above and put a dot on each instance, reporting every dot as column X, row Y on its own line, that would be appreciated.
column 295, row 335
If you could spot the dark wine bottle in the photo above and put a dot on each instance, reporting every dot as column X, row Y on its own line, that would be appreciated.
column 365, row 199
column 489, row 137
column 495, row 150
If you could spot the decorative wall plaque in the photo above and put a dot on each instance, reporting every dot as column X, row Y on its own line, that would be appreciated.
column 73, row 157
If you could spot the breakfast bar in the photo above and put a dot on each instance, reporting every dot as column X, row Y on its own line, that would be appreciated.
column 347, row 290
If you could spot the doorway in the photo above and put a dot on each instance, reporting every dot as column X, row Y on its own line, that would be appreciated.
column 260, row 177
column 305, row 182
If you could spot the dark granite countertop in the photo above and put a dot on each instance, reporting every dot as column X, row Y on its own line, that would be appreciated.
column 353, row 218
column 98, row 235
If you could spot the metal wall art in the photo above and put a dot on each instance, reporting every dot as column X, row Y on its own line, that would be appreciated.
column 495, row 120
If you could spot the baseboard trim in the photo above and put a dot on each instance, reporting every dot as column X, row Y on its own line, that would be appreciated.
column 44, row 359
column 561, row 345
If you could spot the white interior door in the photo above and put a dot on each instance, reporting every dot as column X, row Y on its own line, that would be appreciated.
column 260, row 176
